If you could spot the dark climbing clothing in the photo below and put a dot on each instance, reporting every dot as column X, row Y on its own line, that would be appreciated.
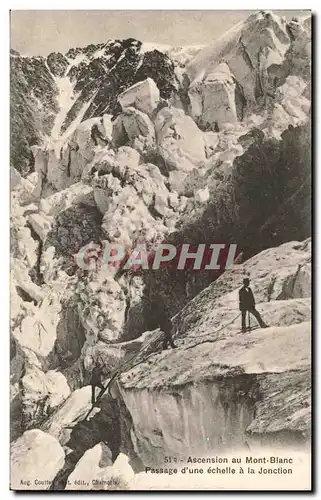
column 168, row 340
column 166, row 325
column 246, row 297
column 247, row 303
column 95, row 381
column 256, row 314
column 93, row 392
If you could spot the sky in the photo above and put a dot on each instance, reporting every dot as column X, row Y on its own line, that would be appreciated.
column 39, row 32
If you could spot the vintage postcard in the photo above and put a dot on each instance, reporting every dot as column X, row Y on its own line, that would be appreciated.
column 160, row 250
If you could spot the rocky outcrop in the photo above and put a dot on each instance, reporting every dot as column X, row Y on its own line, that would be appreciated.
column 57, row 63
column 73, row 228
column 33, row 106
column 36, row 458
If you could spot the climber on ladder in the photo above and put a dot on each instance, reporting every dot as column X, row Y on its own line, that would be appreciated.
column 95, row 381
column 247, row 305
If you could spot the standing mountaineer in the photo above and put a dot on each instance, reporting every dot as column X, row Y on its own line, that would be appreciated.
column 166, row 325
column 247, row 303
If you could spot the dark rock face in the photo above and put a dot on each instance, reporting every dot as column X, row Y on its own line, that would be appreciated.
column 33, row 106
column 161, row 69
column 277, row 210
column 70, row 337
column 57, row 63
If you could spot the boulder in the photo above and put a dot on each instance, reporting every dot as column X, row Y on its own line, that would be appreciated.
column 143, row 96
column 88, row 468
column 22, row 245
column 126, row 157
column 93, row 469
column 108, row 126
column 38, row 332
column 132, row 124
column 180, row 142
column 211, row 143
column 89, row 134
column 177, row 181
column 202, row 195
column 36, row 458
column 15, row 178
column 21, row 279
column 41, row 394
column 41, row 224
column 72, row 410
column 75, row 194
column 173, row 123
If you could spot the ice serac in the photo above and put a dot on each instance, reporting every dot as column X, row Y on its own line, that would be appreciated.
column 180, row 142
column 143, row 96
column 36, row 458
column 213, row 100
column 219, row 389
column 246, row 65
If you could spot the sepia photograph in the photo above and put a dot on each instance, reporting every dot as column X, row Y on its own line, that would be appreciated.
column 160, row 250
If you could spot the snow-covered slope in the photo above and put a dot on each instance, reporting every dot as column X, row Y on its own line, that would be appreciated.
column 181, row 55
